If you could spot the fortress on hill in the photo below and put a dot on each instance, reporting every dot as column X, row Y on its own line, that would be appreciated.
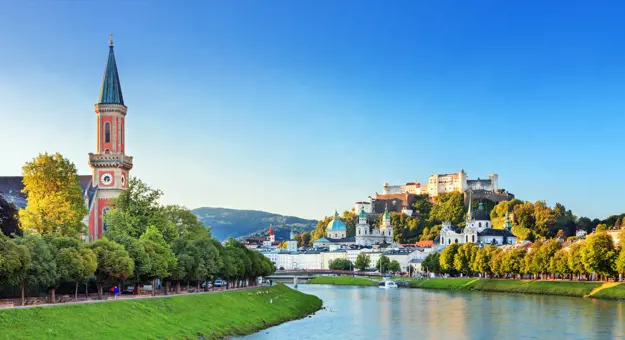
column 400, row 198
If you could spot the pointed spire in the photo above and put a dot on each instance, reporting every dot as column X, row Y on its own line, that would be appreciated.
column 111, row 91
column 470, row 211
column 270, row 229
column 336, row 214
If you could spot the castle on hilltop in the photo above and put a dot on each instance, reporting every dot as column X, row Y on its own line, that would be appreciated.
column 400, row 198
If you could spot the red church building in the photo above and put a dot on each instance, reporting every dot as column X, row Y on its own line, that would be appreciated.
column 110, row 165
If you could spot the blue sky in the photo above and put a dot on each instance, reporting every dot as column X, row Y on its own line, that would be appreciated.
column 303, row 107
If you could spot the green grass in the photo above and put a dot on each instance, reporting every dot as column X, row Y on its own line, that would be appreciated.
column 564, row 288
column 342, row 280
column 613, row 293
column 209, row 316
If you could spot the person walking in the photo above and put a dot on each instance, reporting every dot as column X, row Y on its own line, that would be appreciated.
column 116, row 291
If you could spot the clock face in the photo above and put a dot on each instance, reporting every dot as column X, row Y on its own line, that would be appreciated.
column 106, row 179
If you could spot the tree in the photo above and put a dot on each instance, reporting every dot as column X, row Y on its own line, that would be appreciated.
column 383, row 264
column 574, row 259
column 350, row 219
column 341, row 264
column 137, row 208
column 114, row 262
column 481, row 263
column 186, row 222
column 601, row 227
column 560, row 263
column 159, row 254
column 620, row 262
column 9, row 221
column 394, row 267
column 74, row 261
column 449, row 207
column 210, row 259
column 422, row 206
column 430, row 234
column 431, row 263
column 599, row 254
column 282, row 245
column 465, row 257
column 363, row 261
column 42, row 268
column 55, row 198
column 512, row 262
column 15, row 261
column 447, row 258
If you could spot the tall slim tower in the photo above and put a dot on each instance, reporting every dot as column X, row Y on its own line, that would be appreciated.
column 110, row 164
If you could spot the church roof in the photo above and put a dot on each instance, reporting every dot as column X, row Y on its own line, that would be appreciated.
column 496, row 232
column 111, row 91
column 11, row 188
column 336, row 224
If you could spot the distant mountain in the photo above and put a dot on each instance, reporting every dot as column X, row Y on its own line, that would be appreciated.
column 236, row 223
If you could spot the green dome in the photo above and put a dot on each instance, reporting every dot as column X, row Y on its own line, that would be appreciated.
column 336, row 225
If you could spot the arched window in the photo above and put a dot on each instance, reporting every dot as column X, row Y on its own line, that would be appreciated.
column 358, row 231
column 466, row 238
column 107, row 132
column 486, row 224
column 479, row 225
column 448, row 241
column 456, row 241
column 442, row 240
column 473, row 238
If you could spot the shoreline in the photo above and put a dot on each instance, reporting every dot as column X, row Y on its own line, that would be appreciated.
column 200, row 316
column 614, row 291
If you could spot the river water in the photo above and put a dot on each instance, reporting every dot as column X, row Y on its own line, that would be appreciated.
column 374, row 313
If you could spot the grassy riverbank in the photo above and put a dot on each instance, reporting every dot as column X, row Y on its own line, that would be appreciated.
column 597, row 290
column 342, row 281
column 208, row 316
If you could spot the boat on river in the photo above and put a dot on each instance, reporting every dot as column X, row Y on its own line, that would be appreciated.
column 386, row 284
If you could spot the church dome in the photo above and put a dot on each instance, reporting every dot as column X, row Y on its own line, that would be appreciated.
column 481, row 214
column 336, row 224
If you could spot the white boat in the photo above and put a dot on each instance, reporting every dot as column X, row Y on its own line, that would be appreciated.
column 386, row 284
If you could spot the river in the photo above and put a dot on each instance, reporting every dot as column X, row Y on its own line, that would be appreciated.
column 374, row 313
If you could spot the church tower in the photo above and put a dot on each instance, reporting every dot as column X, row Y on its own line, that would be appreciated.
column 110, row 165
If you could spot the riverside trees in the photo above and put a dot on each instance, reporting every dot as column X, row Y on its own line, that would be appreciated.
column 595, row 257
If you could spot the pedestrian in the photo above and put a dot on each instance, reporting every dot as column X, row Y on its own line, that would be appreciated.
column 116, row 291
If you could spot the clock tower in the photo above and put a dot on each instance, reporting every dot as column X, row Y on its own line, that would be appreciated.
column 110, row 165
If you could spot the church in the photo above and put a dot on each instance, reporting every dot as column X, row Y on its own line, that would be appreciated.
column 367, row 237
column 478, row 229
column 110, row 165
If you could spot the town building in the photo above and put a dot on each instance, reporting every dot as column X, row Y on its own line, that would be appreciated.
column 478, row 229
column 365, row 236
column 110, row 164
column 336, row 235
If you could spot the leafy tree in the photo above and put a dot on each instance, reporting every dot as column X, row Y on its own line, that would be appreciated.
column 9, row 220
column 341, row 264
column 363, row 261
column 481, row 263
column 447, row 257
column 42, row 268
column 431, row 263
column 465, row 257
column 496, row 262
column 137, row 208
column 448, row 207
column 524, row 217
column 74, row 261
column 431, row 233
column 574, row 259
column 187, row 257
column 601, row 227
column 422, row 206
column 159, row 254
column 350, row 219
column 55, row 198
column 114, row 262
column 383, row 264
column 512, row 261
column 599, row 254
column 498, row 213
column 15, row 263
column 186, row 222
column 394, row 267
column 560, row 263
column 282, row 245
column 544, row 218
column 620, row 262
column 586, row 224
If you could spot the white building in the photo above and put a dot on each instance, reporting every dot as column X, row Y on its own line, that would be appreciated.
column 442, row 183
column 366, row 237
column 478, row 230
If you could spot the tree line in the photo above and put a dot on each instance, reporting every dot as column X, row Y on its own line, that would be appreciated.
column 596, row 257
column 363, row 262
column 143, row 240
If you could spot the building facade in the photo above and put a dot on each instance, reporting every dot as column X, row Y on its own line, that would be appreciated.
column 365, row 236
column 110, row 165
column 478, row 229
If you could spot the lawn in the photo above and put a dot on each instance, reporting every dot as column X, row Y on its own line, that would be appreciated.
column 343, row 280
column 210, row 316
column 564, row 288
column 612, row 293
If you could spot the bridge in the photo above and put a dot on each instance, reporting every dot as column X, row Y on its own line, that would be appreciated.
column 297, row 275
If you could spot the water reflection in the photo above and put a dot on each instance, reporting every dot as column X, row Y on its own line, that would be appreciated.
column 373, row 313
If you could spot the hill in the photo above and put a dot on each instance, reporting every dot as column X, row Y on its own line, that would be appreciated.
column 236, row 223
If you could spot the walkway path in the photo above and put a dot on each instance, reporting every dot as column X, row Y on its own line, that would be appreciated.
column 70, row 303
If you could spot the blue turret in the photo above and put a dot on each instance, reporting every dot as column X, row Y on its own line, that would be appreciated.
column 111, row 91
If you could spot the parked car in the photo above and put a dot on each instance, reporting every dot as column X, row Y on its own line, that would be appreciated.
column 204, row 284
column 129, row 290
